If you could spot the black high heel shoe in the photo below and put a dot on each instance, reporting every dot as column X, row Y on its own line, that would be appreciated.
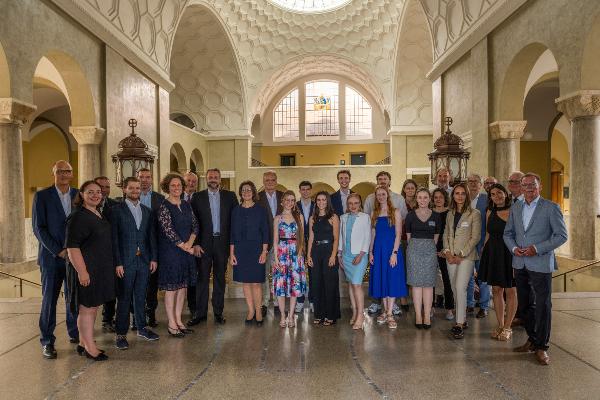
column 186, row 331
column 250, row 321
column 426, row 326
column 100, row 357
column 81, row 350
column 176, row 333
column 419, row 326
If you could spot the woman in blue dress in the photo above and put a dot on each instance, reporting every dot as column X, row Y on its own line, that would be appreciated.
column 353, row 249
column 248, row 248
column 178, row 229
column 387, row 279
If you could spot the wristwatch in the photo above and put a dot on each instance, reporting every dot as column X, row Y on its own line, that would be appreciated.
column 395, row 251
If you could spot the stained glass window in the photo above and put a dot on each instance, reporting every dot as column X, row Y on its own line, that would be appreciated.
column 322, row 109
column 286, row 117
column 309, row 6
column 358, row 115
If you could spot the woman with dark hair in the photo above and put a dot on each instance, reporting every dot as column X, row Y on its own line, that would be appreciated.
column 496, row 261
column 440, row 206
column 462, row 233
column 249, row 247
column 178, row 230
column 289, row 273
column 93, row 280
column 322, row 250
column 387, row 276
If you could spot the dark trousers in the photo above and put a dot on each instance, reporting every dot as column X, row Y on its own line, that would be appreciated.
column 53, row 278
column 214, row 259
column 132, row 289
column 326, row 284
column 191, row 299
column 538, row 313
column 152, row 295
column 108, row 311
column 448, row 295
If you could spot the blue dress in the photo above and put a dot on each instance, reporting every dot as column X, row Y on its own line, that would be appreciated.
column 385, row 281
column 354, row 273
column 177, row 268
column 249, row 232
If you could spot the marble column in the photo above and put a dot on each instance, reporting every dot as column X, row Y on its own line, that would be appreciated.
column 88, row 147
column 583, row 110
column 13, row 115
column 506, row 135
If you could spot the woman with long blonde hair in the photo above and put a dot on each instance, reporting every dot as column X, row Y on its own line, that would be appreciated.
column 387, row 278
column 289, row 273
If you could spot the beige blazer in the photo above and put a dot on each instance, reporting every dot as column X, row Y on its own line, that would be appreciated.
column 468, row 234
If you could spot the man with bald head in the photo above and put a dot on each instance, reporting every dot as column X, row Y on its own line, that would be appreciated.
column 51, row 207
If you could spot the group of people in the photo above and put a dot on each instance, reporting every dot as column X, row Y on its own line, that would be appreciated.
column 452, row 241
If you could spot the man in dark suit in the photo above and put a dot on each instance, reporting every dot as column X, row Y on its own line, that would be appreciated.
column 152, row 200
column 212, row 208
column 269, row 198
column 306, row 207
column 534, row 230
column 51, row 207
column 135, row 256
column 338, row 199
column 191, row 186
column 105, row 206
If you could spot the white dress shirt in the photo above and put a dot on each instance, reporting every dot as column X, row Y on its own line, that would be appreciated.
column 272, row 199
column 528, row 210
column 65, row 200
column 136, row 211
column 474, row 202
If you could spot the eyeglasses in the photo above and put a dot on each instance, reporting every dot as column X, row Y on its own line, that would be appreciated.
column 246, row 190
column 64, row 171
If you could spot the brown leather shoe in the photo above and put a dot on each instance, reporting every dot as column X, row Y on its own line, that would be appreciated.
column 526, row 348
column 542, row 357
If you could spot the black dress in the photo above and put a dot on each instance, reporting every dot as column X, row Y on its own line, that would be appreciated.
column 495, row 267
column 326, row 283
column 249, row 232
column 91, row 234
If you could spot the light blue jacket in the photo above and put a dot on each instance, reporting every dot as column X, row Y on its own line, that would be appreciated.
column 546, row 231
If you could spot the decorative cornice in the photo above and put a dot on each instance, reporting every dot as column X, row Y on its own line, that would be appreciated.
column 87, row 134
column 584, row 103
column 13, row 111
column 507, row 130
column 407, row 130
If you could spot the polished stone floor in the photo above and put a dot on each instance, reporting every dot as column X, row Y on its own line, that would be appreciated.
column 235, row 361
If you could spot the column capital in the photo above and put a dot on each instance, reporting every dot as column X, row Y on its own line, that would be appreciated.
column 87, row 134
column 584, row 103
column 13, row 111
column 503, row 130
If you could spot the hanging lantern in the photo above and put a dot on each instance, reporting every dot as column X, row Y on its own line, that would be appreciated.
column 449, row 153
column 132, row 156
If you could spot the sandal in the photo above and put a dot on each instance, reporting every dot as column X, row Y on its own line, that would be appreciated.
column 391, row 322
column 359, row 324
column 317, row 322
column 497, row 332
column 291, row 320
column 381, row 319
column 505, row 335
column 283, row 323
column 328, row 322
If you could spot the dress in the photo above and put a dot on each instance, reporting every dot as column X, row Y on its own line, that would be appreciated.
column 354, row 273
column 385, row 281
column 495, row 267
column 249, row 232
column 326, row 279
column 289, row 280
column 177, row 268
column 421, row 254
column 91, row 234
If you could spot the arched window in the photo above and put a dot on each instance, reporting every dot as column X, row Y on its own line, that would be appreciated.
column 358, row 115
column 184, row 120
column 322, row 109
column 286, row 118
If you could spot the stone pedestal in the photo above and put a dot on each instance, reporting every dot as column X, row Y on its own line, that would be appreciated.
column 88, row 147
column 13, row 114
column 506, row 135
column 583, row 110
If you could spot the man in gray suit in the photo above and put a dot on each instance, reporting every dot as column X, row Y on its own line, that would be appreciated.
column 535, row 228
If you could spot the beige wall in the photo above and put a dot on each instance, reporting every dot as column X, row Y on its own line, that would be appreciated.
column 330, row 154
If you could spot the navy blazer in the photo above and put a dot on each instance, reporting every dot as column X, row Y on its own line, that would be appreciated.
column 201, row 206
column 49, row 225
column 127, row 238
column 336, row 203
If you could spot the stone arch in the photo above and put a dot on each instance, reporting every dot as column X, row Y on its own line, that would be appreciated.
column 197, row 162
column 590, row 79
column 414, row 59
column 205, row 69
column 76, row 87
column 178, row 160
column 512, row 92
column 183, row 119
column 364, row 189
column 4, row 75
column 320, row 186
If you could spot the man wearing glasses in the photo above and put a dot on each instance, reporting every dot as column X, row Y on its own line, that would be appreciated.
column 514, row 186
column 51, row 207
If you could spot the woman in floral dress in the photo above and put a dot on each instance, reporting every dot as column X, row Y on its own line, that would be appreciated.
column 289, row 273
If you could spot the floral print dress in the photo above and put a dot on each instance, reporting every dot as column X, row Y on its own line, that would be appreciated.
column 289, row 280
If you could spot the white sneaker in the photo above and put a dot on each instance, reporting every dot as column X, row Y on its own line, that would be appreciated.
column 299, row 307
column 396, row 310
column 449, row 315
column 374, row 308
